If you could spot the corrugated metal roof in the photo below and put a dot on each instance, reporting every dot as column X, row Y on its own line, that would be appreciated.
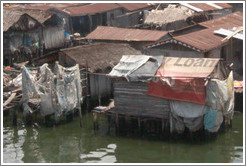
column 229, row 21
column 90, row 9
column 224, row 5
column 134, row 6
column 125, row 34
column 46, row 6
column 201, row 41
column 205, row 40
column 204, row 7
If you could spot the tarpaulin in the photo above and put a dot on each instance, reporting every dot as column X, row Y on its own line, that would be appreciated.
column 182, row 89
column 212, row 120
column 182, row 79
column 186, row 114
column 146, row 71
column 187, row 67
column 137, row 68
column 220, row 95
column 187, row 109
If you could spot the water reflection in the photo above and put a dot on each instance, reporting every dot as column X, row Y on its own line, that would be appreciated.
column 101, row 155
column 70, row 143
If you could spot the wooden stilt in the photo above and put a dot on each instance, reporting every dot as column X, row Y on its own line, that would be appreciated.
column 95, row 121
column 117, row 123
column 14, row 114
column 109, row 123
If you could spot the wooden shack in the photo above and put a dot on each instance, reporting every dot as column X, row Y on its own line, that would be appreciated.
column 29, row 33
column 176, row 94
column 99, row 58
column 199, row 40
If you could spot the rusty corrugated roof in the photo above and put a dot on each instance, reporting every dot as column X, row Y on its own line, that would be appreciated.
column 227, row 22
column 90, row 9
column 134, row 6
column 224, row 5
column 125, row 34
column 201, row 41
column 205, row 40
column 204, row 7
column 46, row 6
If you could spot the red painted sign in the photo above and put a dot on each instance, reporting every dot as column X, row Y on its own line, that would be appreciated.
column 183, row 89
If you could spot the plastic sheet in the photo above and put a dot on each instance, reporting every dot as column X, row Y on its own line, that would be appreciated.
column 58, row 93
column 220, row 95
column 212, row 120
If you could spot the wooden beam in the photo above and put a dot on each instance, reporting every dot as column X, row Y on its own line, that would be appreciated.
column 12, row 96
column 234, row 33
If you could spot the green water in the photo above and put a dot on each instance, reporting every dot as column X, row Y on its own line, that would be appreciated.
column 70, row 143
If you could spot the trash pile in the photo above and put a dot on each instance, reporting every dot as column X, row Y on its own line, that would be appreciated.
column 12, row 82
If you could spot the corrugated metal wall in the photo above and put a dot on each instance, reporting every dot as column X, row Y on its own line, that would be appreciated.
column 131, row 99
column 54, row 37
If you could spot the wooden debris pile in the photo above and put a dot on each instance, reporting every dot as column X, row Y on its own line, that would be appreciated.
column 11, row 89
column 12, row 86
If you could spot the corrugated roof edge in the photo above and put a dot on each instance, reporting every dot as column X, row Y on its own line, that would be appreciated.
column 88, row 37
column 175, row 41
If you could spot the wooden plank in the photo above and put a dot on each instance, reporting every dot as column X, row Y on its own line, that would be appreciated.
column 12, row 96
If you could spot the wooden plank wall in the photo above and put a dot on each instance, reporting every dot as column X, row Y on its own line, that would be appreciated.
column 131, row 99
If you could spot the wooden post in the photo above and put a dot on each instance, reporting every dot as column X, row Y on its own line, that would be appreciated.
column 139, row 126
column 90, row 23
column 95, row 121
column 98, row 89
column 78, row 98
column 117, row 123
column 109, row 123
column 14, row 113
column 232, row 57
column 87, row 89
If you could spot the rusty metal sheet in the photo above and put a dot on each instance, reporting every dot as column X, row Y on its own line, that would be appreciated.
column 203, row 6
column 201, row 41
column 204, row 40
column 224, row 5
column 227, row 22
column 91, row 9
column 125, row 34
column 46, row 6
column 134, row 6
column 209, row 6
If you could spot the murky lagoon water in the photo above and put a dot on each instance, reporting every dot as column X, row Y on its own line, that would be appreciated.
column 70, row 143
